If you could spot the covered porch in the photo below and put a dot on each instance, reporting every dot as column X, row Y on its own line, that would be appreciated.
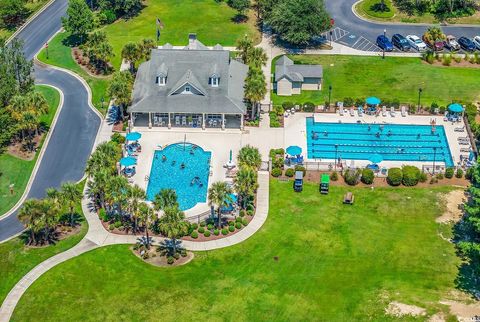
column 187, row 120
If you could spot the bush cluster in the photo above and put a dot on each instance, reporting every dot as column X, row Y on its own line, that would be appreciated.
column 411, row 175
column 367, row 176
column 334, row 176
column 459, row 173
column 194, row 234
column 290, row 172
column 449, row 172
column 352, row 177
column 224, row 231
column 276, row 172
column 394, row 176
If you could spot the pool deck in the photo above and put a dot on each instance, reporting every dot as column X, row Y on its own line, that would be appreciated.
column 295, row 133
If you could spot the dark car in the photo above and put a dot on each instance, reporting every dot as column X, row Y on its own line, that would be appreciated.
column 401, row 42
column 436, row 45
column 466, row 44
column 384, row 43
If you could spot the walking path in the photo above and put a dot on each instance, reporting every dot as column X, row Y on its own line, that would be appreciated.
column 97, row 236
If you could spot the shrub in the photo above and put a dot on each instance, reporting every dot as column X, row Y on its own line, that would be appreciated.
column 469, row 173
column 279, row 110
column 250, row 212
column 224, row 232
column 287, row 105
column 210, row 226
column 194, row 234
column 410, row 175
column 238, row 219
column 449, row 172
column 117, row 224
column 459, row 173
column 308, row 107
column 439, row 176
column 334, row 176
column 238, row 225
column 244, row 222
column 447, row 60
column 170, row 260
column 274, row 120
column 111, row 226
column 422, row 177
column 176, row 255
column 183, row 252
column 352, row 177
column 441, row 110
column 216, row 232
column 348, row 102
column 367, row 176
column 429, row 56
column 394, row 176
column 231, row 223
column 103, row 215
column 433, row 180
column 280, row 152
column 290, row 172
column 231, row 229
column 195, row 226
column 201, row 230
column 118, row 138
column 203, row 224
column 276, row 172
column 301, row 168
column 457, row 58
column 243, row 213
column 433, row 107
column 206, row 233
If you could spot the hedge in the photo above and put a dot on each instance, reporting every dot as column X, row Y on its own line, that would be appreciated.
column 290, row 172
column 459, row 173
column 276, row 172
column 394, row 176
column 411, row 175
column 352, row 177
column 449, row 172
column 367, row 176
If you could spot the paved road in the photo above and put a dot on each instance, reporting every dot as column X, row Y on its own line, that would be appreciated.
column 74, row 134
column 359, row 34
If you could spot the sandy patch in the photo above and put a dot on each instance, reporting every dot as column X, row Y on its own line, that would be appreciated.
column 454, row 207
column 464, row 312
column 400, row 309
column 437, row 317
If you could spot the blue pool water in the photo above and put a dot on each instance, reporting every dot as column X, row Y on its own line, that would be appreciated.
column 359, row 141
column 190, row 183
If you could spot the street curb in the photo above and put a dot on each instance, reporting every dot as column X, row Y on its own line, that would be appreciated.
column 40, row 156
column 420, row 24
column 27, row 22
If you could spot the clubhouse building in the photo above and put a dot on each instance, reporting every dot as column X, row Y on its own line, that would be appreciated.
column 192, row 86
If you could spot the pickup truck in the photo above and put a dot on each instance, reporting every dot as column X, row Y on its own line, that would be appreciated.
column 451, row 43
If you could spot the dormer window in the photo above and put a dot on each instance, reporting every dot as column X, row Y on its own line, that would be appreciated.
column 187, row 89
column 161, row 80
column 214, row 80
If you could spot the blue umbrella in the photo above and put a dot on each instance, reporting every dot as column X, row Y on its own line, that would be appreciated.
column 133, row 136
column 234, row 199
column 373, row 100
column 128, row 161
column 455, row 108
column 294, row 150
column 376, row 158
column 471, row 156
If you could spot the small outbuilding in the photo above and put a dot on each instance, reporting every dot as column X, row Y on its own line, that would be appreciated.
column 291, row 79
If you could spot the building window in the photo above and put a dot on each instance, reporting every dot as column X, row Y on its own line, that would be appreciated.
column 161, row 80
column 214, row 81
column 187, row 89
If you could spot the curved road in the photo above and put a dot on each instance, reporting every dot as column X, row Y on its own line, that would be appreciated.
column 74, row 134
column 355, row 29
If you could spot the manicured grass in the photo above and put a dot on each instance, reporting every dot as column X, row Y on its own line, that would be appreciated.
column 59, row 54
column 211, row 20
column 389, row 79
column 314, row 259
column 32, row 7
column 17, row 171
column 18, row 260
column 366, row 8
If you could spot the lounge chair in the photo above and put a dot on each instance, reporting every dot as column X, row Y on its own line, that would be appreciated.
column 384, row 111
column 463, row 143
column 464, row 138
column 460, row 129
column 404, row 111
column 392, row 111
column 340, row 111
column 464, row 150
column 352, row 112
column 184, row 120
column 360, row 111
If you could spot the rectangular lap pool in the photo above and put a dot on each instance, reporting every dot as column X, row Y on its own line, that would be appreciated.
column 395, row 142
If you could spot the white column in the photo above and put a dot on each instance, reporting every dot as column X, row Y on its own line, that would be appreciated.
column 223, row 121
column 169, row 121
column 241, row 122
column 149, row 120
column 203, row 121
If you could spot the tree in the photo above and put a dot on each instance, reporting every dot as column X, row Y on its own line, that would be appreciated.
column 173, row 225
column 121, row 7
column 432, row 35
column 12, row 12
column 99, row 49
column 255, row 88
column 135, row 196
column 244, row 46
column 257, row 58
column 245, row 184
column 30, row 216
column 120, row 88
column 240, row 5
column 250, row 157
column 219, row 195
column 115, row 193
column 166, row 198
column 147, row 217
column 145, row 46
column 71, row 195
column 131, row 52
column 79, row 20
column 298, row 21
column 264, row 7
column 104, row 157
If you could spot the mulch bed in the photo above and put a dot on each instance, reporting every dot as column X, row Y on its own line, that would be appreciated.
column 17, row 150
column 202, row 238
column 84, row 63
column 157, row 260
column 118, row 127
column 63, row 233
column 462, row 63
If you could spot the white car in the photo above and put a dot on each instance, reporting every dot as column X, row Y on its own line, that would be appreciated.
column 416, row 42
column 476, row 41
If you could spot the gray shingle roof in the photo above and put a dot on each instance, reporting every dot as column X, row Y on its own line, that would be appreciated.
column 284, row 67
column 195, row 67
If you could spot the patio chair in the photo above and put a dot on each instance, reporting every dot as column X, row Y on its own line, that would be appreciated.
column 392, row 111
column 340, row 111
column 404, row 111
column 177, row 120
column 184, row 120
column 384, row 111
column 352, row 112
column 460, row 129
column 215, row 123
column 360, row 111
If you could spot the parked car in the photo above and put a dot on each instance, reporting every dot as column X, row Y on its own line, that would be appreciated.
column 476, row 41
column 384, row 43
column 416, row 42
column 466, row 44
column 451, row 43
column 401, row 42
column 436, row 45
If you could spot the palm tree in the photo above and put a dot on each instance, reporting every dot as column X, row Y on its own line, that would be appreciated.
column 173, row 225
column 71, row 195
column 255, row 87
column 244, row 46
column 50, row 211
column 249, row 156
column 257, row 57
column 146, row 46
column 135, row 196
column 105, row 157
column 147, row 217
column 116, row 189
column 245, row 183
column 131, row 52
column 97, row 185
column 219, row 195
column 432, row 35
column 166, row 198
column 31, row 216
column 120, row 88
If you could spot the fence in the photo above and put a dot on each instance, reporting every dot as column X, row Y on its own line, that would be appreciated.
column 200, row 217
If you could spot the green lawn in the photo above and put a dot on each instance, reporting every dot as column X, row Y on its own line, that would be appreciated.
column 334, row 263
column 32, row 7
column 366, row 8
column 210, row 19
column 17, row 171
column 389, row 79
column 17, row 260
column 60, row 55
